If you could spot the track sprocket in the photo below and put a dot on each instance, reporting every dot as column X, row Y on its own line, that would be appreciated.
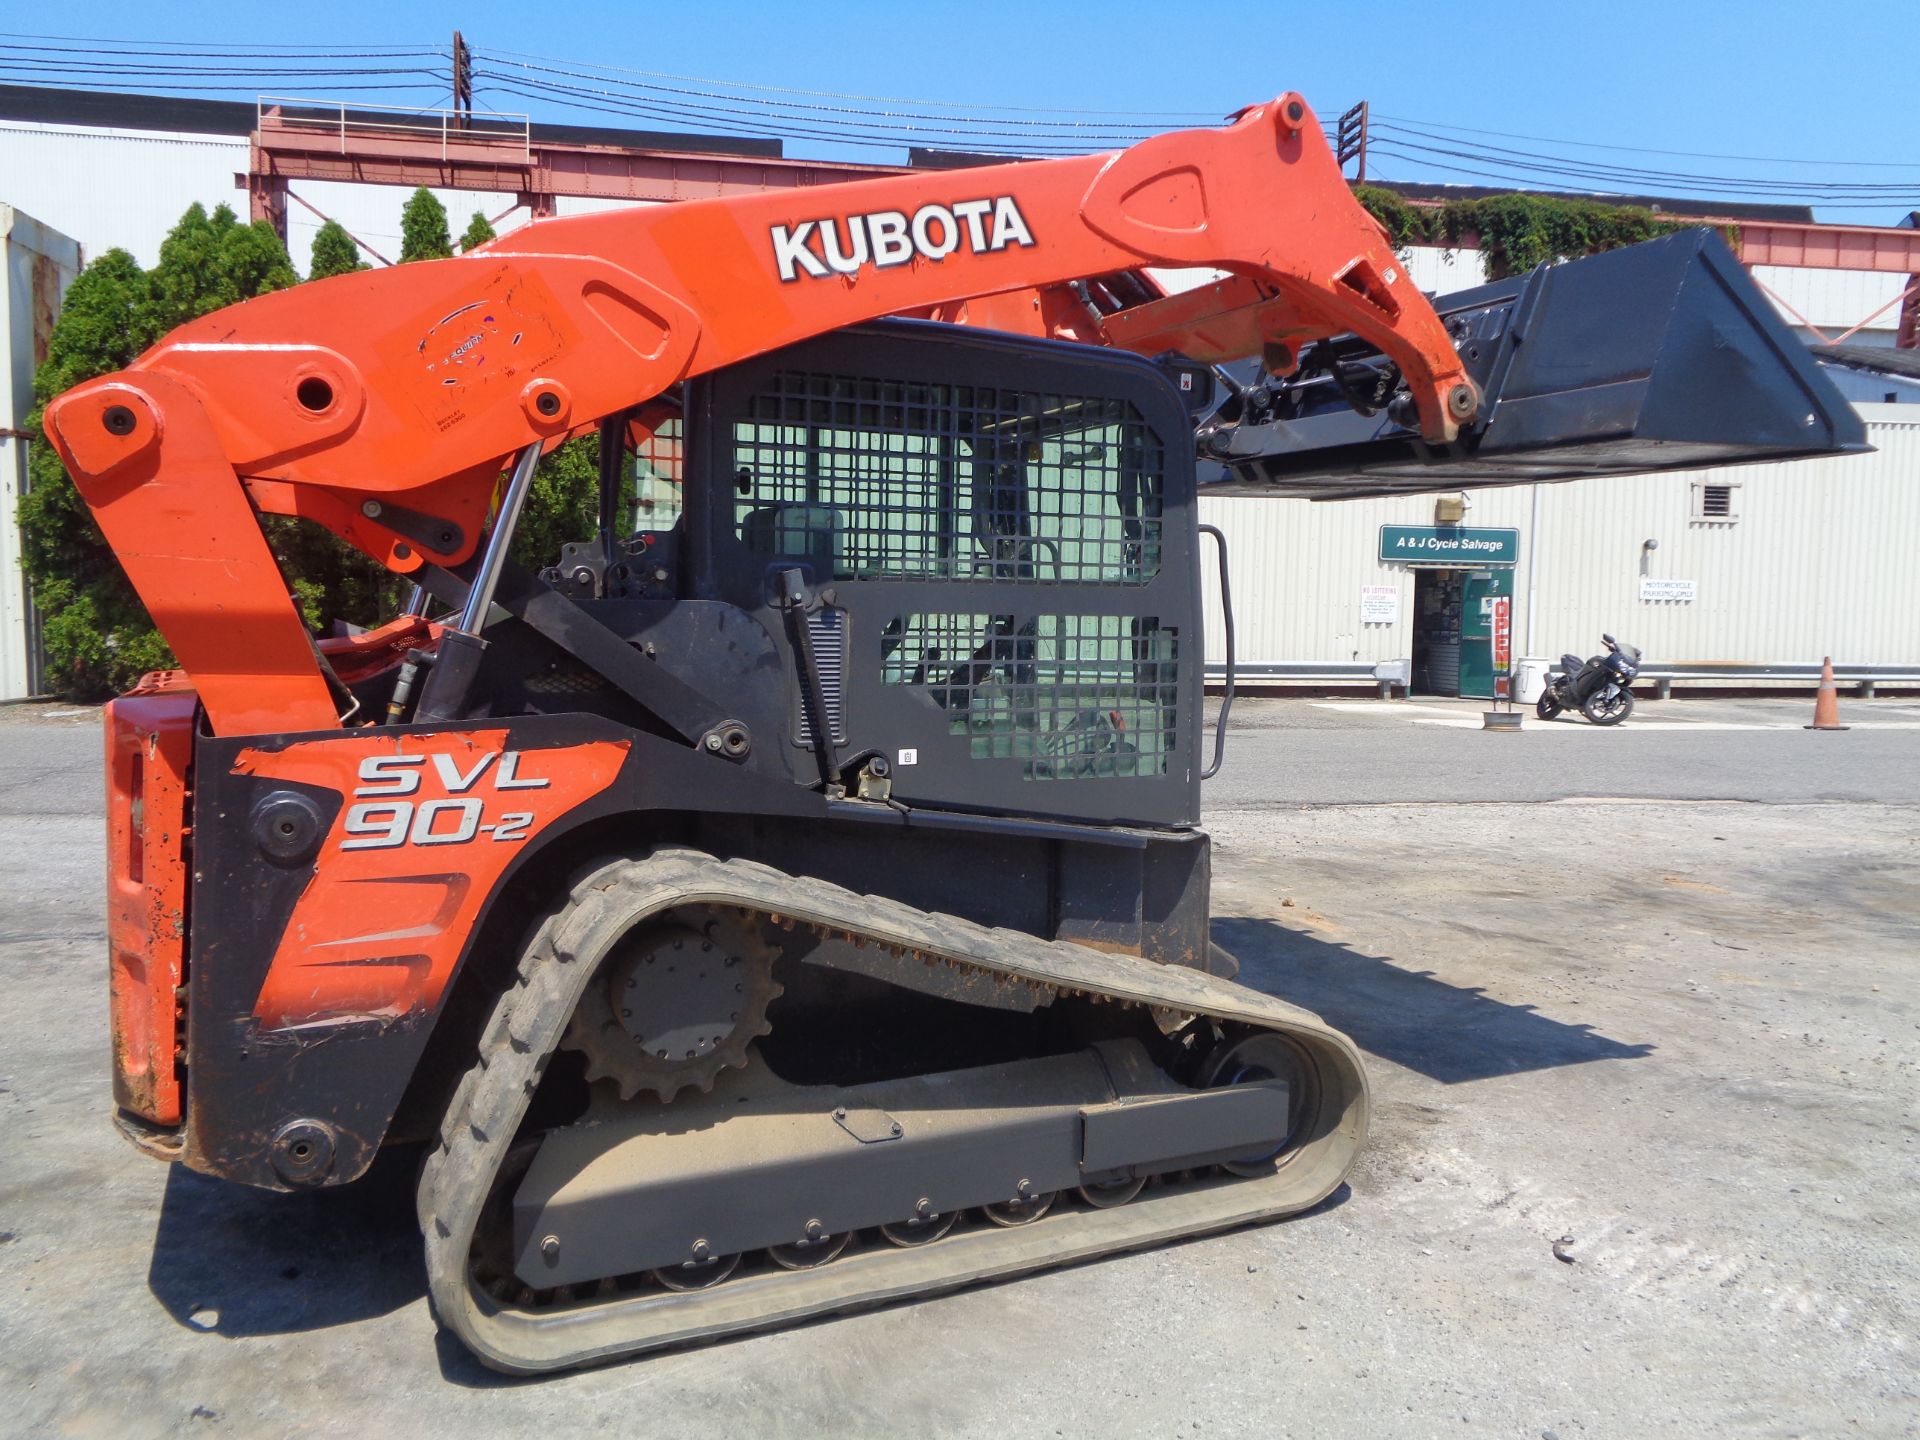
column 677, row 1001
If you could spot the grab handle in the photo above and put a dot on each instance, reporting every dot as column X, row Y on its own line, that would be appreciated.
column 1226, row 614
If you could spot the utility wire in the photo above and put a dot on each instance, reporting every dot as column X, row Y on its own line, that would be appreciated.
column 1570, row 165
column 1184, row 115
column 886, row 132
column 815, row 113
column 92, row 42
column 1503, row 177
column 873, row 122
column 1646, row 150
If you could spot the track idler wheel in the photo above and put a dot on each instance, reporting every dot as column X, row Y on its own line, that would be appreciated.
column 1262, row 1056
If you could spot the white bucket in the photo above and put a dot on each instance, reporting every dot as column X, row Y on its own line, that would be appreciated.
column 1530, row 679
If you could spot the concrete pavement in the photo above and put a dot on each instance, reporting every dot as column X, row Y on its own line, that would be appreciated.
column 1679, row 1041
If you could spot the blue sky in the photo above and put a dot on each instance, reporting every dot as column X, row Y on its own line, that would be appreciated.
column 1757, row 83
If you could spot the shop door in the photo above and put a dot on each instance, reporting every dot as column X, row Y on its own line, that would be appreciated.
column 1480, row 608
column 1436, row 631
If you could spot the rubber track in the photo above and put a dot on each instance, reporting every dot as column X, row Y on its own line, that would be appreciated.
column 606, row 901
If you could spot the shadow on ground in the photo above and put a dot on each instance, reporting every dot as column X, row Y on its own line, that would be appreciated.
column 239, row 1261
column 1443, row 1031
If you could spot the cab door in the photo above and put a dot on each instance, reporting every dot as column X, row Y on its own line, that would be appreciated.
column 995, row 541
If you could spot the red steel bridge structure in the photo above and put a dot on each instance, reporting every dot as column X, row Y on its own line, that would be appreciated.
column 295, row 140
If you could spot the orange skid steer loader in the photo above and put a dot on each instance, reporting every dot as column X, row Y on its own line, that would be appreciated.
column 796, row 903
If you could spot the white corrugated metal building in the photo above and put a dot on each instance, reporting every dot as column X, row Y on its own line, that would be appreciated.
column 1809, row 561
column 39, row 263
column 1815, row 559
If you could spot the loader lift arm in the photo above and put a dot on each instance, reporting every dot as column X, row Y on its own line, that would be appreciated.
column 384, row 404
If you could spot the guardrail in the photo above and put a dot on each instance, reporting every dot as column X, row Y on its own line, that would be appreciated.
column 343, row 123
column 1338, row 672
column 1863, row 677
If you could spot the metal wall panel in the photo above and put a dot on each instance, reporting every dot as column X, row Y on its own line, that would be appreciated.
column 37, row 263
column 1819, row 562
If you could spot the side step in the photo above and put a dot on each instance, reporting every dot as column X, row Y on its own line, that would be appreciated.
column 1330, row 1119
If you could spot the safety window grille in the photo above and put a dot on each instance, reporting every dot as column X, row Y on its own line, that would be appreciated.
column 1067, row 697
column 1717, row 503
column 868, row 478
column 656, row 461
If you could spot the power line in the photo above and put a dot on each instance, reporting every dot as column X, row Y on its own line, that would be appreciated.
column 875, row 99
column 888, row 130
column 1508, row 178
column 597, row 102
column 874, row 122
column 1567, row 165
column 1646, row 150
column 104, row 87
column 814, row 113
column 91, row 43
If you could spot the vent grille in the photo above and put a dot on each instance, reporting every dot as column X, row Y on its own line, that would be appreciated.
column 1717, row 504
column 828, row 629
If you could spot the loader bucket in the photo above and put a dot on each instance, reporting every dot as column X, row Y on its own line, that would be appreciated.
column 1659, row 356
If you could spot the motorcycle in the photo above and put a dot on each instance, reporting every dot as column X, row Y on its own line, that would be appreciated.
column 1597, row 687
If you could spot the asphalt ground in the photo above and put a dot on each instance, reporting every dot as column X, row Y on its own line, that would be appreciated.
column 1643, row 1158
column 1347, row 752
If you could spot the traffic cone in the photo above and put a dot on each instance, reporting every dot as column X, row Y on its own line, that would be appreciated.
column 1826, row 701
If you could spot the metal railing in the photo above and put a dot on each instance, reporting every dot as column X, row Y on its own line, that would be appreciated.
column 342, row 122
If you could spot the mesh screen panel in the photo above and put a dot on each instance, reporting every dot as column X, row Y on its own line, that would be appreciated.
column 895, row 479
column 1068, row 696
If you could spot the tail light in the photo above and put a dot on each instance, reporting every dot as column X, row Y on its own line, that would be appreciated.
column 149, row 750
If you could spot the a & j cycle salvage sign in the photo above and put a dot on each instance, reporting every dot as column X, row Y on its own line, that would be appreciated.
column 1448, row 545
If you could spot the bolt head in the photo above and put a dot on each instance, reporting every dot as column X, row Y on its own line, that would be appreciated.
column 370, row 509
column 713, row 742
column 550, row 1247
column 702, row 1250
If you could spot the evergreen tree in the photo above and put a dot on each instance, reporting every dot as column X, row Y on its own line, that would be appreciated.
column 563, row 504
column 478, row 233
column 97, row 635
column 334, row 252
column 423, row 228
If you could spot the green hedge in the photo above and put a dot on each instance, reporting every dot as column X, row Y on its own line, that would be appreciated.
column 1514, row 232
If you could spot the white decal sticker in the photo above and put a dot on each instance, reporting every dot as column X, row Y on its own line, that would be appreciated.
column 909, row 757
column 844, row 246
column 455, row 820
